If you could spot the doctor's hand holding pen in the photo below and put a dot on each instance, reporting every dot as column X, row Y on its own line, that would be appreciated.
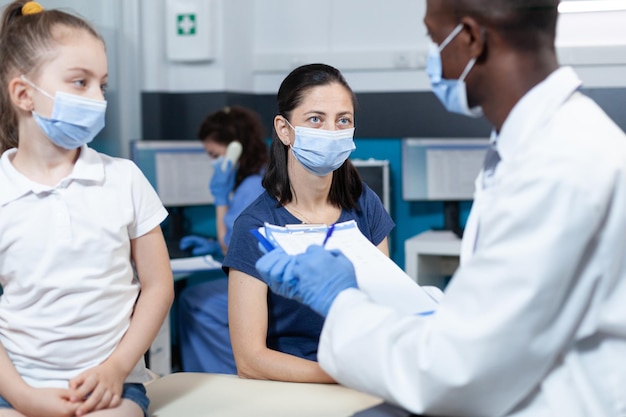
column 307, row 277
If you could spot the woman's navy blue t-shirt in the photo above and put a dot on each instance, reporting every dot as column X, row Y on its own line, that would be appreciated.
column 294, row 328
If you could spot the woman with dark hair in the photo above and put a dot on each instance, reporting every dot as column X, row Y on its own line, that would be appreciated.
column 203, row 308
column 309, row 179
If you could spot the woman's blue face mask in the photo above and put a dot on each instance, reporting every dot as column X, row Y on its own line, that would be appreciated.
column 322, row 151
column 451, row 93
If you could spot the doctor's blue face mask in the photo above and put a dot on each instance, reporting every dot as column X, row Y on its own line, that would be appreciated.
column 322, row 151
column 75, row 120
column 451, row 93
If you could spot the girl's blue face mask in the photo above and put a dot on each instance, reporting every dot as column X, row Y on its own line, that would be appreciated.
column 322, row 151
column 451, row 93
column 75, row 120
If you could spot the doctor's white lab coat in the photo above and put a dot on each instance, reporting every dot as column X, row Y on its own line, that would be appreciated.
column 533, row 323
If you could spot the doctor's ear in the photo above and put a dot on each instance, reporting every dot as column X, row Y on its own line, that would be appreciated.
column 282, row 130
column 477, row 36
column 21, row 94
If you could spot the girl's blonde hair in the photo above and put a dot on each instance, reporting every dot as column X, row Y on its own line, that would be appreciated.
column 28, row 34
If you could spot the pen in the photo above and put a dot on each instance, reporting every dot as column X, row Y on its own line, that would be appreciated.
column 329, row 233
column 266, row 244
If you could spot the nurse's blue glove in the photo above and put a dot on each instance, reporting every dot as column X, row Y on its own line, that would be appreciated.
column 200, row 245
column 314, row 278
column 222, row 182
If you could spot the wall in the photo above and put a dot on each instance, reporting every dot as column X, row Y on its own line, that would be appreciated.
column 380, row 46
column 231, row 38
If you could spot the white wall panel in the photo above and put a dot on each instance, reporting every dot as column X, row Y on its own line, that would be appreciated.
column 380, row 46
column 592, row 29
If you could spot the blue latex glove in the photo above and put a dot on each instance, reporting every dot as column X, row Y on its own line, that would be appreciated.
column 200, row 245
column 222, row 182
column 314, row 278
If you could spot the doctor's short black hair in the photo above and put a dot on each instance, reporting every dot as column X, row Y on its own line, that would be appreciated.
column 524, row 24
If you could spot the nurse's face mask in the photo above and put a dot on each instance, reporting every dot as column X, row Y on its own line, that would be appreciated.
column 451, row 93
column 322, row 151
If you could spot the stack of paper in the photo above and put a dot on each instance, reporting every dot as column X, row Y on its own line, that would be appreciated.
column 377, row 275
column 194, row 264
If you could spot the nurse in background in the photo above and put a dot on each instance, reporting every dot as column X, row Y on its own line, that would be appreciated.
column 203, row 310
column 233, row 187
column 533, row 322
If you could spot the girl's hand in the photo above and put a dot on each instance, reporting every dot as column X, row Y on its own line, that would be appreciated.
column 47, row 402
column 97, row 388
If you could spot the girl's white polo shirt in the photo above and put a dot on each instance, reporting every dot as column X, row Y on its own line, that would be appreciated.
column 65, row 264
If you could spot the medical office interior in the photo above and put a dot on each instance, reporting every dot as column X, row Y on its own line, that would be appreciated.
column 166, row 73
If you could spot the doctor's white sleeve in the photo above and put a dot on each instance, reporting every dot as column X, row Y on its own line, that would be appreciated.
column 505, row 319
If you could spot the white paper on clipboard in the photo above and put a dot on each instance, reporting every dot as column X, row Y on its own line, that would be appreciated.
column 377, row 275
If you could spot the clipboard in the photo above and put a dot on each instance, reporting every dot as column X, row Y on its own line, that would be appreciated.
column 377, row 275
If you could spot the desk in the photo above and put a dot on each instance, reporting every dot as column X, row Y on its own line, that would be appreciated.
column 200, row 395
column 432, row 256
column 161, row 349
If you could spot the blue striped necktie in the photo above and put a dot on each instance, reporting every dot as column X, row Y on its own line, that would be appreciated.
column 492, row 158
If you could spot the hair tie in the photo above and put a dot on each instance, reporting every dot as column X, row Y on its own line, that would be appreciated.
column 226, row 109
column 32, row 7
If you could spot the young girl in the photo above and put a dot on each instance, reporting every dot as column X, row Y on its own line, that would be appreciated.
column 79, row 231
column 309, row 179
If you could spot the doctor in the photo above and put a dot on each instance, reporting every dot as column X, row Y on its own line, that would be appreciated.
column 533, row 323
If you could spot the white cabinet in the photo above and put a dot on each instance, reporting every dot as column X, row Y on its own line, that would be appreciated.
column 432, row 257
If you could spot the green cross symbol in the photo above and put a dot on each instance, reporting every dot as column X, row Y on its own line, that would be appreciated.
column 186, row 24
